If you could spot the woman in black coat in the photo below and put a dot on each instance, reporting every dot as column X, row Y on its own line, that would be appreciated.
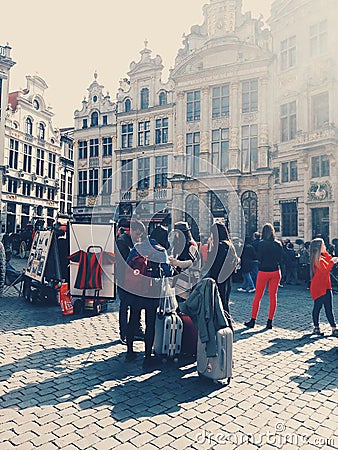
column 222, row 261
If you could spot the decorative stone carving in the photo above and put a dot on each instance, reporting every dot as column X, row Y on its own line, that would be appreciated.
column 320, row 191
column 249, row 118
column 263, row 134
column 180, row 148
column 204, row 142
column 234, row 137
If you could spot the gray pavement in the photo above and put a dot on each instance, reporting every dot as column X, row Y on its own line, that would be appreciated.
column 64, row 384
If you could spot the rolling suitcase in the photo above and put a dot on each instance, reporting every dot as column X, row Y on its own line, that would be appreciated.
column 168, row 335
column 189, row 335
column 217, row 367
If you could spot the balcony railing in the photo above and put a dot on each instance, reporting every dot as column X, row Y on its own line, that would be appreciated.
column 125, row 196
column 28, row 137
column 106, row 200
column 162, row 193
column 329, row 131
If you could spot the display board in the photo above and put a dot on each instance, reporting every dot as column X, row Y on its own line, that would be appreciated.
column 38, row 255
column 82, row 236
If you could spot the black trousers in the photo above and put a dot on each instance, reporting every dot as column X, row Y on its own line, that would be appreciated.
column 150, row 306
column 124, row 297
column 326, row 301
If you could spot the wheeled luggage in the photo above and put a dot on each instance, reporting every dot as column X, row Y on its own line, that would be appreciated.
column 168, row 335
column 217, row 367
column 189, row 335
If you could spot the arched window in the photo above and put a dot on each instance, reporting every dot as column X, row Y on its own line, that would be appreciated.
column 127, row 105
column 163, row 98
column 144, row 98
column 29, row 126
column 94, row 120
column 249, row 205
column 41, row 131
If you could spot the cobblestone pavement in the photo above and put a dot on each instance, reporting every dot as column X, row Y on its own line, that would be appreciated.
column 64, row 384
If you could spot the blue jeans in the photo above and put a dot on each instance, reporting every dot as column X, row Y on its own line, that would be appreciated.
column 254, row 271
column 247, row 282
column 326, row 301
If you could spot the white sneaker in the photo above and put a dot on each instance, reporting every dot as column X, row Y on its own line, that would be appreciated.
column 252, row 290
column 241, row 290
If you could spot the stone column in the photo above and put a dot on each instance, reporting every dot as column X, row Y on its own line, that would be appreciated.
column 234, row 144
column 204, row 130
column 263, row 127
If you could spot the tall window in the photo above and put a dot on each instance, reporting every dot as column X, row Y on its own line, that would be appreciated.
column 83, row 183
column 192, row 152
column 127, row 135
column 41, row 131
column 193, row 105
column 93, row 182
column 318, row 38
column 289, row 171
column 39, row 191
column 320, row 110
column 163, row 98
column 84, row 123
column 107, row 181
column 107, row 144
column 51, row 194
column 220, row 101
column 94, row 119
column 144, row 98
column 13, row 186
column 288, row 53
column 26, row 189
column 40, row 161
column 250, row 95
column 93, row 148
column 249, row 148
column 104, row 120
column 288, row 121
column 127, row 105
column 27, row 158
column 51, row 165
column 143, row 133
column 29, row 126
column 143, row 173
column 63, row 186
column 70, row 187
column 289, row 218
column 13, row 153
column 83, row 149
column 161, row 171
column 320, row 166
column 161, row 131
column 220, row 148
column 126, row 174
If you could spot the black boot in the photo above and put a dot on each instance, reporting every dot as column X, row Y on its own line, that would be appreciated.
column 251, row 323
column 269, row 324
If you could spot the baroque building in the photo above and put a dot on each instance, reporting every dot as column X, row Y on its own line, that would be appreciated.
column 243, row 129
column 32, row 159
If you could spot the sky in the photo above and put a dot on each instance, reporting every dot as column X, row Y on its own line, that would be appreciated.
column 67, row 41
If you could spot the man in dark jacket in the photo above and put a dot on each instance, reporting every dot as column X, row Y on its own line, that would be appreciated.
column 124, row 244
column 248, row 256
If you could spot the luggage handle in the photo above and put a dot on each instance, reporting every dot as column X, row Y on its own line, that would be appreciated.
column 91, row 247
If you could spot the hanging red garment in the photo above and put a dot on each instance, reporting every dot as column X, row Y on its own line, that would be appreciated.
column 89, row 274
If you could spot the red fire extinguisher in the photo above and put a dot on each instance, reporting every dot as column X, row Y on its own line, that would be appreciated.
column 66, row 300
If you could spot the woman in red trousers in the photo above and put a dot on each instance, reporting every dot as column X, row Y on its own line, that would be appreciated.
column 269, row 253
column 321, row 264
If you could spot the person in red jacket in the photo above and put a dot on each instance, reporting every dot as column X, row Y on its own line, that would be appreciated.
column 321, row 263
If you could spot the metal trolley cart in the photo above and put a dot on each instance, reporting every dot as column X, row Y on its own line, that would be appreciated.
column 91, row 279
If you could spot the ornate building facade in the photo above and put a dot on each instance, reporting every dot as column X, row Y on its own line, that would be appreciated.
column 244, row 127
column 32, row 159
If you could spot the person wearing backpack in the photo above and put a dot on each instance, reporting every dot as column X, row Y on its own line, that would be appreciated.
column 147, row 263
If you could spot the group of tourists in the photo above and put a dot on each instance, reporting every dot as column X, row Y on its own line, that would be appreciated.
column 260, row 261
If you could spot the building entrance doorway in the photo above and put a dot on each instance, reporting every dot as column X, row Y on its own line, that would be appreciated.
column 321, row 222
column 249, row 205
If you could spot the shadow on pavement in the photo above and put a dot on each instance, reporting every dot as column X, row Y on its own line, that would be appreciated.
column 322, row 372
column 293, row 344
column 123, row 386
